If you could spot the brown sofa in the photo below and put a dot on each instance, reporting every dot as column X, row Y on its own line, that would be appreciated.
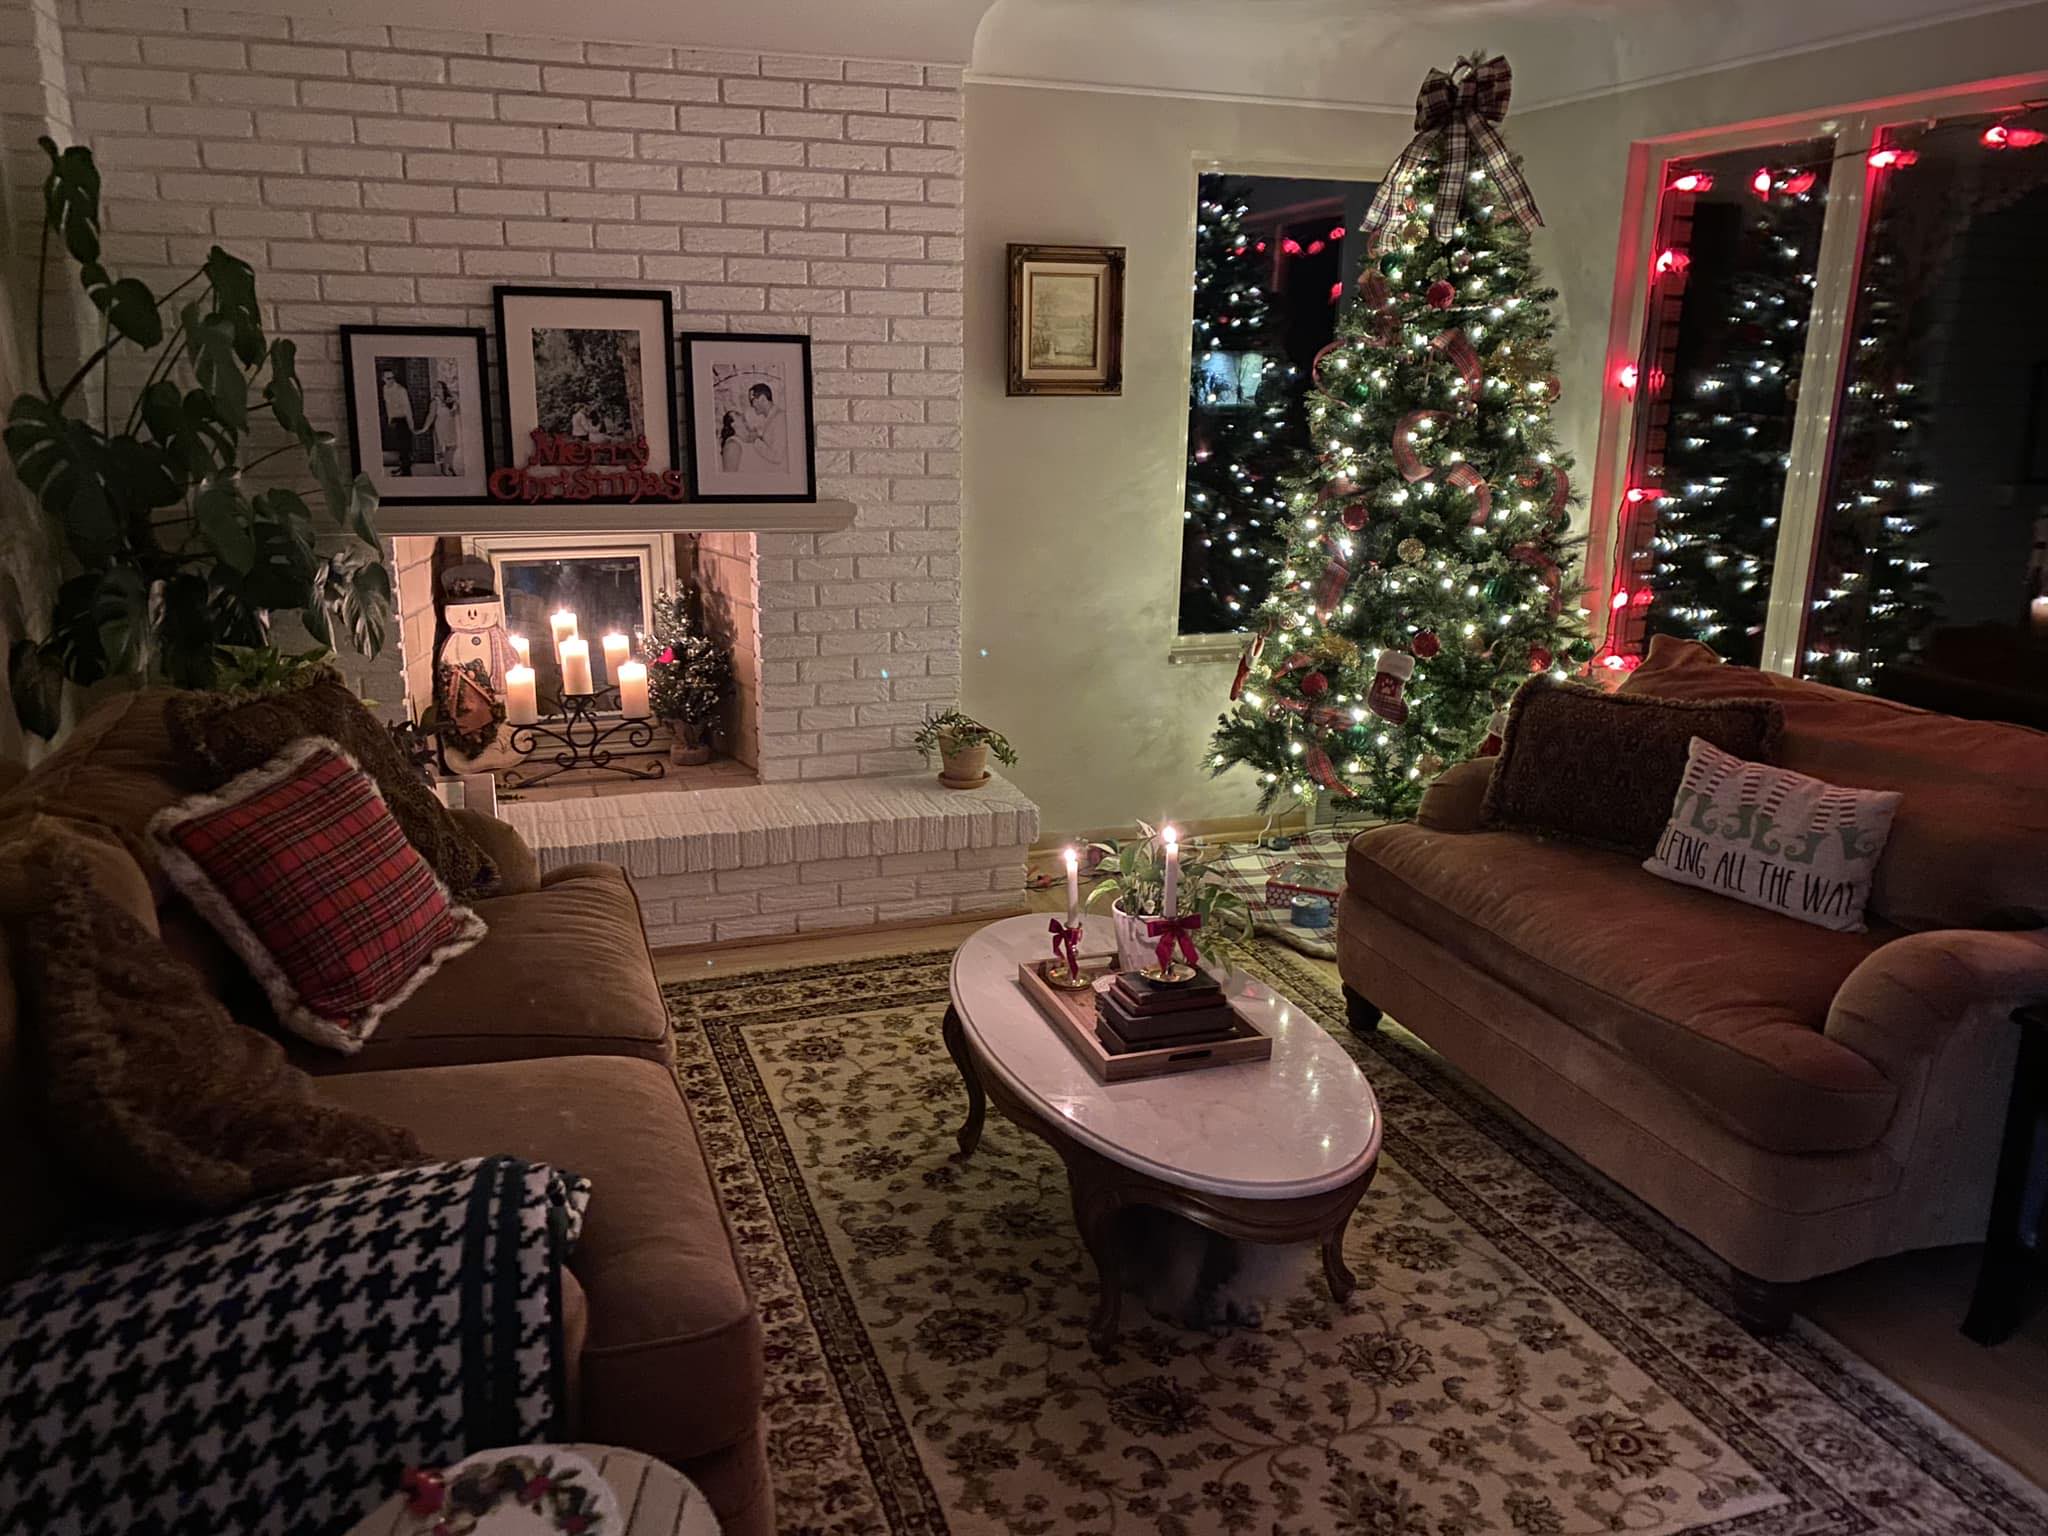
column 1798, row 1100
column 548, row 1040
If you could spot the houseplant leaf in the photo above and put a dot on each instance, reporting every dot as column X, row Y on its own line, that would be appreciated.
column 35, row 680
column 224, row 518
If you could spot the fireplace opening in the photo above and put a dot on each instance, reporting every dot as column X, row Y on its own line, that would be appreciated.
column 475, row 607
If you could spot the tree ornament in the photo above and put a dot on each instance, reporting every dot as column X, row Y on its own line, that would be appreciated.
column 1385, row 697
column 1246, row 660
column 1411, row 550
column 1539, row 658
column 1496, row 733
column 1315, row 685
column 1461, row 261
column 1440, row 295
column 1426, row 644
column 1355, row 516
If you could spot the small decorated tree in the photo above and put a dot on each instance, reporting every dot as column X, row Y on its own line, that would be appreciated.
column 689, row 675
column 1425, row 576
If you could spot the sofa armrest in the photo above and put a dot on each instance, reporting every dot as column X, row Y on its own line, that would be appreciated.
column 518, row 869
column 1452, row 801
column 1899, row 1007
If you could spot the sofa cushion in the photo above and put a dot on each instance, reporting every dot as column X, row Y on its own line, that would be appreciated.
column 672, row 1364
column 1969, row 845
column 559, row 971
column 1724, row 1002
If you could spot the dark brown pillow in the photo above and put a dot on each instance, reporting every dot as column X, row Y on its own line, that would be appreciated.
column 155, row 1100
column 220, row 735
column 1604, row 767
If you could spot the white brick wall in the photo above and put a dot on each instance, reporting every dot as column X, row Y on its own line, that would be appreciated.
column 387, row 174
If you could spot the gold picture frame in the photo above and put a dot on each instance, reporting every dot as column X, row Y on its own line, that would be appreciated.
column 1066, row 320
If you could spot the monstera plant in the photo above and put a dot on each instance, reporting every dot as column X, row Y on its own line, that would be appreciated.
column 173, row 562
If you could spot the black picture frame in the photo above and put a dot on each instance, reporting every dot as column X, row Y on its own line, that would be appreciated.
column 468, row 346
column 519, row 410
column 709, row 479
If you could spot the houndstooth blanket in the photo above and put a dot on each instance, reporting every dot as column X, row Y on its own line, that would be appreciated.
column 274, row 1369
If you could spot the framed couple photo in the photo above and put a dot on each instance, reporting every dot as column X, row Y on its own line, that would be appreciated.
column 747, row 411
column 418, row 411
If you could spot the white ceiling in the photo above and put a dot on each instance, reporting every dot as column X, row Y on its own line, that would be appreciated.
column 1372, row 53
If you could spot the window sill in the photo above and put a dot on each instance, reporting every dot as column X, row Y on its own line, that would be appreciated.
column 1206, row 650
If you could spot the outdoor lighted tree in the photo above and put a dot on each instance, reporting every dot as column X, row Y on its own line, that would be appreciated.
column 1424, row 576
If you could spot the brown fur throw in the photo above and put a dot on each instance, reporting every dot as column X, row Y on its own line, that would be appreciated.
column 152, row 1096
column 219, row 735
column 1604, row 768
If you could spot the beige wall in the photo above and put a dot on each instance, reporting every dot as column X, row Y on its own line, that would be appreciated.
column 1072, row 528
column 1576, row 159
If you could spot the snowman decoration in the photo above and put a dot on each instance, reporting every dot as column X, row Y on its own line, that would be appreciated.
column 469, row 682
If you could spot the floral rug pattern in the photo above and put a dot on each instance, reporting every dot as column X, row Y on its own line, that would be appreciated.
column 1526, row 1352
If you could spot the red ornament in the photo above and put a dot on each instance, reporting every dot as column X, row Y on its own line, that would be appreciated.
column 424, row 1490
column 1440, row 295
column 1539, row 658
column 1355, row 516
column 1427, row 643
column 1315, row 685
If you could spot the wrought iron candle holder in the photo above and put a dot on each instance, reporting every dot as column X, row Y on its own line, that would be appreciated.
column 583, row 741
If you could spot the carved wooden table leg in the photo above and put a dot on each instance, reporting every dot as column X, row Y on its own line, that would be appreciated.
column 969, row 1135
column 1335, row 1270
column 1095, row 1209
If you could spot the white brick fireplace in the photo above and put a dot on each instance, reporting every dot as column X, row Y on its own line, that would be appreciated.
column 391, row 175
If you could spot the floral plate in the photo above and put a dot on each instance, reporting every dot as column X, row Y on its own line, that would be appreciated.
column 517, row 1490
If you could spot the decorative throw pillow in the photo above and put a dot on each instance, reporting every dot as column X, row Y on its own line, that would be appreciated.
column 1601, row 768
column 302, row 869
column 1774, row 838
column 151, row 1094
column 218, row 735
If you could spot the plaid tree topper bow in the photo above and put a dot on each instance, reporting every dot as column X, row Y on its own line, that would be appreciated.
column 1454, row 113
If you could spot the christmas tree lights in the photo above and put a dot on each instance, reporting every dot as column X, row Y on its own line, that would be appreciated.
column 1424, row 566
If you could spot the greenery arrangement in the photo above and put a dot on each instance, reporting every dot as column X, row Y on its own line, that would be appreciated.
column 691, row 673
column 952, row 732
column 1134, row 873
column 172, row 566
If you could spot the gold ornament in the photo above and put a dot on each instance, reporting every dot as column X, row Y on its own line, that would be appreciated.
column 1411, row 550
column 1337, row 649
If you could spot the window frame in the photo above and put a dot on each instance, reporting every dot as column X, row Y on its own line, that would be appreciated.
column 1839, row 267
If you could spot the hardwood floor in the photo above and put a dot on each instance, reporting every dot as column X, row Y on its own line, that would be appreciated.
column 1901, row 1315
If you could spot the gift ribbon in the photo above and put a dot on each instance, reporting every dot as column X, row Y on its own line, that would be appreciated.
column 1455, row 114
column 1066, row 940
column 1168, row 931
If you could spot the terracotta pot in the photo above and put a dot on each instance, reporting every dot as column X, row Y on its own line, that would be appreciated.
column 963, row 767
column 1135, row 949
column 692, row 744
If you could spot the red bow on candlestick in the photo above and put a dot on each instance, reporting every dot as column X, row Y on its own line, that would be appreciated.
column 1066, row 941
column 1171, row 930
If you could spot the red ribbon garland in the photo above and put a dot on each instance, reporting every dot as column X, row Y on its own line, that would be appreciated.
column 1466, row 478
column 1335, row 578
column 1457, row 348
column 1560, row 485
column 1324, row 715
column 1324, row 772
column 1406, row 458
column 1168, row 931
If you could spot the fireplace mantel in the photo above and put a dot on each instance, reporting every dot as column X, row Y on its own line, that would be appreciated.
column 421, row 517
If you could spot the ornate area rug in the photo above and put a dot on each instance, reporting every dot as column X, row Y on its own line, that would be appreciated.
column 1526, row 1351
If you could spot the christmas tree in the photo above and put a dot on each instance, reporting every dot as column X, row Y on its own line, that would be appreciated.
column 1231, row 543
column 1424, row 569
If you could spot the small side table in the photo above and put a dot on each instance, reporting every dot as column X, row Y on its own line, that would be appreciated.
column 2019, row 1201
column 654, row 1498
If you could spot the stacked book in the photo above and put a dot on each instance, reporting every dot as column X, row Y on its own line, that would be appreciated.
column 1133, row 1013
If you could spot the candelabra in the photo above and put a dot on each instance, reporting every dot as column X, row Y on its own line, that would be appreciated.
column 583, row 741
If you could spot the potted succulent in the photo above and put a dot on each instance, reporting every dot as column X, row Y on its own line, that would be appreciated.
column 964, row 746
column 689, row 677
column 1133, row 874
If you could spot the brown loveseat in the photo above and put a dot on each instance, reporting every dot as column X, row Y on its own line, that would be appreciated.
column 548, row 1040
column 1798, row 1100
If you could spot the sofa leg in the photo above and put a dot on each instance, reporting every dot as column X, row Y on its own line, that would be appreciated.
column 1361, row 1015
column 1764, row 1307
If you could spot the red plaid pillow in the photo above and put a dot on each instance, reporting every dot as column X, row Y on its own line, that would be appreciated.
column 303, row 870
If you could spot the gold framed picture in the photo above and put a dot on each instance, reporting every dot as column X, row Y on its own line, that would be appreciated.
column 1066, row 320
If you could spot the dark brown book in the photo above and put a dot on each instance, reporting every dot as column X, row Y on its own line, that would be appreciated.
column 1117, row 1045
column 1153, row 999
column 1140, row 1028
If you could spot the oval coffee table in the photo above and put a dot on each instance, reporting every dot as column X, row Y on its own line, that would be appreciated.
column 1277, row 1151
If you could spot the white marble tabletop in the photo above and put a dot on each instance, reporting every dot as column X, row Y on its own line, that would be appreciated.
column 1300, row 1123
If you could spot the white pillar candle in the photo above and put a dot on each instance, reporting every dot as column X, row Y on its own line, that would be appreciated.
column 1170, row 899
column 1073, row 887
column 575, row 656
column 616, row 649
column 521, row 707
column 563, row 623
column 632, row 677
column 522, row 648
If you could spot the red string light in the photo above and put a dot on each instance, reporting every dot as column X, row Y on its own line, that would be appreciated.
column 1890, row 159
column 1760, row 183
column 1672, row 261
column 2009, row 136
column 1626, row 376
column 1336, row 231
column 1799, row 183
column 1693, row 181
column 1290, row 246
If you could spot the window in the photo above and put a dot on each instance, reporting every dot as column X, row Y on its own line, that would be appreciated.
column 1828, row 432
column 1272, row 259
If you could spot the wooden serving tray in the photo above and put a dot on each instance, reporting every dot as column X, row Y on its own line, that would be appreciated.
column 1073, row 1013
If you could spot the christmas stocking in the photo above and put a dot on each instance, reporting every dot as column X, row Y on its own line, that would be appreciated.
column 1390, row 678
column 1496, row 731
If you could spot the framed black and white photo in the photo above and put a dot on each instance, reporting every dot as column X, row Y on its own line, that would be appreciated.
column 418, row 412
column 589, row 393
column 747, row 400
